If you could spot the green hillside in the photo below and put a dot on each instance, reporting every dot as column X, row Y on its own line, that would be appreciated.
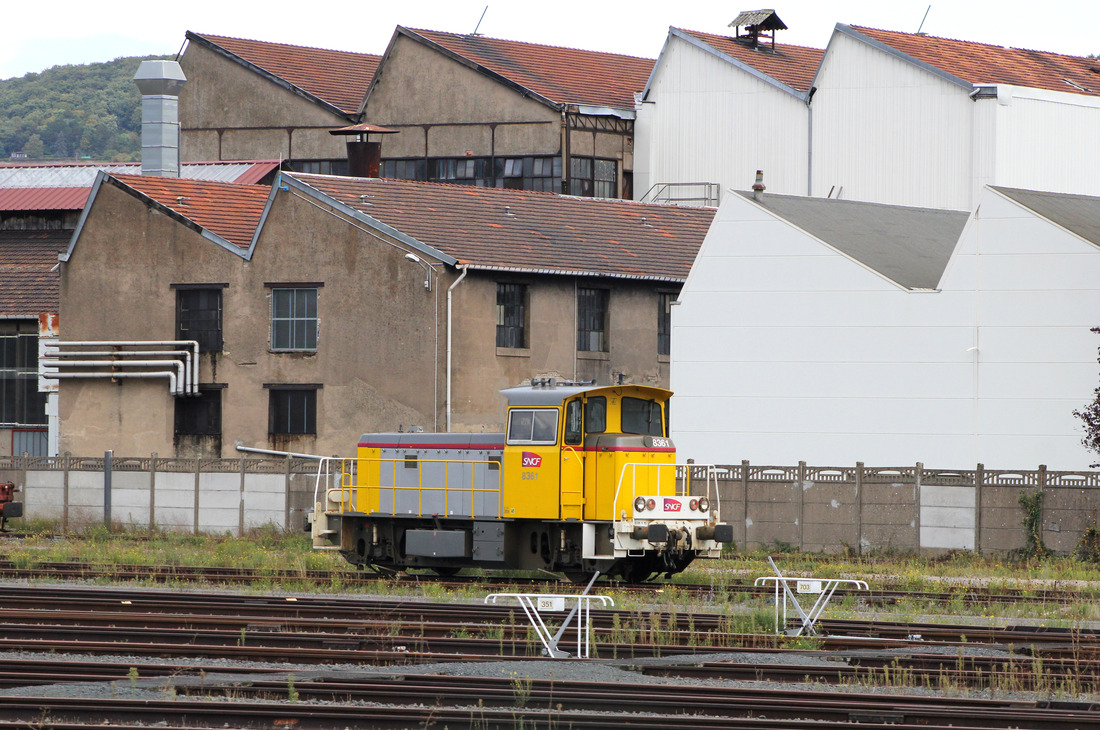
column 90, row 111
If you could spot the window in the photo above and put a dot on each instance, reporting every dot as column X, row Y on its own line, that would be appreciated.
column 320, row 167
column 199, row 316
column 293, row 409
column 294, row 319
column 20, row 401
column 595, row 415
column 404, row 169
column 642, row 416
column 511, row 315
column 200, row 416
column 532, row 426
column 664, row 324
column 529, row 173
column 592, row 320
column 592, row 178
column 574, row 426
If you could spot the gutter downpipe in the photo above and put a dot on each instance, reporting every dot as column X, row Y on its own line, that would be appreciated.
column 451, row 288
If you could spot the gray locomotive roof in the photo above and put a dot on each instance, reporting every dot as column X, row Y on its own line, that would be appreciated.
column 553, row 395
column 908, row 245
column 1079, row 214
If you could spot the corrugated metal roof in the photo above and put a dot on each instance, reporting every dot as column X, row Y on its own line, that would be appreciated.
column 28, row 286
column 1077, row 213
column 66, row 186
column 908, row 245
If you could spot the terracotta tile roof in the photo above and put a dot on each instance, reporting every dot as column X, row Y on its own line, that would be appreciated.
column 28, row 287
column 340, row 78
column 979, row 63
column 795, row 66
column 47, row 186
column 230, row 210
column 531, row 231
column 561, row 75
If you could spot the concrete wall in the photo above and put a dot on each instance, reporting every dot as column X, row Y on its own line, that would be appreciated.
column 220, row 496
column 866, row 510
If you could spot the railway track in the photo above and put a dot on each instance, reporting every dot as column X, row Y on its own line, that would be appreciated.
column 193, row 663
column 718, row 589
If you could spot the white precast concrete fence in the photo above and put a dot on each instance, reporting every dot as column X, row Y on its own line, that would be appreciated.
column 184, row 495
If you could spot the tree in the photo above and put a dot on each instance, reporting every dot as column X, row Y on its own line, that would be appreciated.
column 1090, row 415
column 34, row 147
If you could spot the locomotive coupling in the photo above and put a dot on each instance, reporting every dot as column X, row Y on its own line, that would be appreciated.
column 718, row 533
column 656, row 532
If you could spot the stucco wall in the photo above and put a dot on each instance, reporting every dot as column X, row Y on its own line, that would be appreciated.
column 228, row 112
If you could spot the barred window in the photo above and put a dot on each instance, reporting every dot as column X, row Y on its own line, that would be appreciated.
column 294, row 319
column 511, row 315
column 592, row 310
column 20, row 401
column 664, row 323
column 293, row 410
column 199, row 317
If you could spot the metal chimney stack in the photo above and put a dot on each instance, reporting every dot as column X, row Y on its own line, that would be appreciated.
column 160, row 83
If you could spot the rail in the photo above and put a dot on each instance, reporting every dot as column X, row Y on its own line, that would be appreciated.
column 683, row 486
column 683, row 193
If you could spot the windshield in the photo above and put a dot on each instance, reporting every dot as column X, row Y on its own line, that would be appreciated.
column 642, row 416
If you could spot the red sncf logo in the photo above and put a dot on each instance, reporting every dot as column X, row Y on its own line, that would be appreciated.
column 672, row 505
column 531, row 460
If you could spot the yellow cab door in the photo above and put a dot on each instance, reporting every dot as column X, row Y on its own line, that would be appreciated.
column 572, row 461
column 595, row 424
column 531, row 463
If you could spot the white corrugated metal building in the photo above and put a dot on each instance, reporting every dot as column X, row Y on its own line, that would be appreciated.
column 834, row 331
column 886, row 117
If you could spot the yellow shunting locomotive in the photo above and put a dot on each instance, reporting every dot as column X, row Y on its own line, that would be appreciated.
column 583, row 479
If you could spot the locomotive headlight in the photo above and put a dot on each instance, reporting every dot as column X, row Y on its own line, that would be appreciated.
column 651, row 503
column 639, row 504
column 693, row 505
column 704, row 504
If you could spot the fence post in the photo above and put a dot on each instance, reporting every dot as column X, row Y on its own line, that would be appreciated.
column 801, row 488
column 66, row 465
column 919, row 480
column 198, row 479
column 1043, row 502
column 240, row 509
column 153, row 491
column 859, row 508
column 107, row 466
column 286, row 494
column 978, row 499
column 745, row 502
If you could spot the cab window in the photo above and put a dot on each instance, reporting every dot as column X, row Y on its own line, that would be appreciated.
column 532, row 426
column 595, row 415
column 642, row 417
column 574, row 423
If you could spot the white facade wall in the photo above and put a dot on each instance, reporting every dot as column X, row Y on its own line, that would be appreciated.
column 886, row 131
column 784, row 349
column 707, row 120
column 1046, row 140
